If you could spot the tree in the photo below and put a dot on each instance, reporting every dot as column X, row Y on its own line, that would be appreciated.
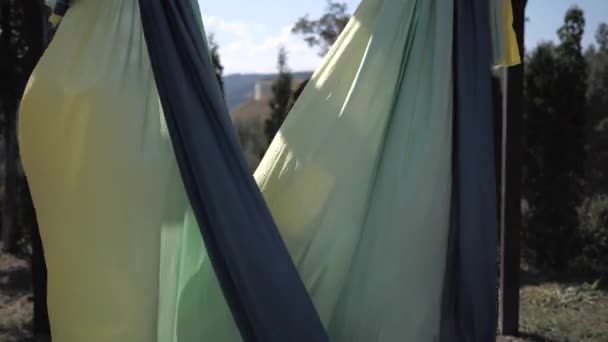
column 252, row 139
column 593, row 213
column 24, row 33
column 601, row 37
column 22, row 36
column 281, row 96
column 554, row 120
column 215, row 59
column 324, row 31
column 297, row 92
column 597, row 114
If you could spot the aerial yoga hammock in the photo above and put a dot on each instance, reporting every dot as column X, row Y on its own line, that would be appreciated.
column 154, row 231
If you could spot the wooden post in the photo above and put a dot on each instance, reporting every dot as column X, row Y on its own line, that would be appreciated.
column 510, row 209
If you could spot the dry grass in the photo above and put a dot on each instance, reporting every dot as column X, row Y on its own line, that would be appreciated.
column 550, row 312
column 565, row 313
column 15, row 300
column 553, row 312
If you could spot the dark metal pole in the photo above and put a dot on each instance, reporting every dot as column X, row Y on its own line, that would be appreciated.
column 510, row 211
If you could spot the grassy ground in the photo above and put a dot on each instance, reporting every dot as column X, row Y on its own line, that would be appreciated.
column 550, row 311
column 15, row 300
column 564, row 312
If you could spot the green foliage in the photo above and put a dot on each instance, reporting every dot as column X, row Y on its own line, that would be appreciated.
column 22, row 37
column 324, row 31
column 597, row 114
column 569, row 295
column 214, row 51
column 601, row 37
column 297, row 92
column 571, row 33
column 563, row 312
column 554, row 118
column 593, row 217
column 281, row 96
column 253, row 141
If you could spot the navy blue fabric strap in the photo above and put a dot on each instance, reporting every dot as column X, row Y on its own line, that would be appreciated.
column 470, row 309
column 262, row 287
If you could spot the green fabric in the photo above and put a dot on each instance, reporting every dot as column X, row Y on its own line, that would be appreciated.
column 358, row 180
column 123, row 251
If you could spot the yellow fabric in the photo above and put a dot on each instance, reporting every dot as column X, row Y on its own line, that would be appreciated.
column 510, row 49
column 55, row 20
column 114, row 217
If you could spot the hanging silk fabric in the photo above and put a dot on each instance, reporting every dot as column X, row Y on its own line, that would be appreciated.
column 470, row 285
column 122, row 224
column 359, row 180
column 380, row 109
column 505, row 51
column 259, row 281
column 483, row 35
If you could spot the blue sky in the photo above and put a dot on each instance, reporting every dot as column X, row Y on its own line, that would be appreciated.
column 250, row 31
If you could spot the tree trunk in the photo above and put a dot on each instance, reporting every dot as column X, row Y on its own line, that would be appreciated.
column 10, row 110
column 9, row 232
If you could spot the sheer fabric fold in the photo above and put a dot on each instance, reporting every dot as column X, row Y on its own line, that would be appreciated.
column 259, row 281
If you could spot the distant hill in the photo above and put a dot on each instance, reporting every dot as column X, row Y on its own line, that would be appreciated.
column 239, row 87
column 256, row 109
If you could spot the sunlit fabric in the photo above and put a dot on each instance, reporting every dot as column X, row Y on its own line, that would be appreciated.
column 102, row 174
column 372, row 128
column 254, row 269
column 124, row 251
column 373, row 216
column 359, row 176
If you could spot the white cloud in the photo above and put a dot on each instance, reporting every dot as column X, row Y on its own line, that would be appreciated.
column 248, row 47
column 237, row 29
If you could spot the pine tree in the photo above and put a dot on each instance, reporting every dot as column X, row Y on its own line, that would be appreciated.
column 601, row 37
column 281, row 96
column 597, row 114
column 554, row 121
